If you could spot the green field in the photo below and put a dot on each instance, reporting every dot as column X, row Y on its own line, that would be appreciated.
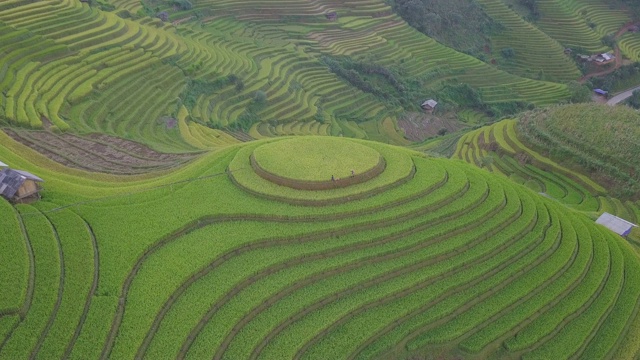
column 315, row 158
column 560, row 152
column 113, row 67
column 230, row 180
column 452, row 260
column 601, row 140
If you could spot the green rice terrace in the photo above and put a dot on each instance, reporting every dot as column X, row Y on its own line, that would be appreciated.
column 316, row 159
column 217, row 179
column 429, row 256
column 265, row 69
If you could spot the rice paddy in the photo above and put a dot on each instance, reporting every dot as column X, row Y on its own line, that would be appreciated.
column 430, row 256
column 242, row 230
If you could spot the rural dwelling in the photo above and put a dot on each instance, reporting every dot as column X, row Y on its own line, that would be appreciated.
column 429, row 105
column 604, row 58
column 18, row 186
column 618, row 225
column 331, row 16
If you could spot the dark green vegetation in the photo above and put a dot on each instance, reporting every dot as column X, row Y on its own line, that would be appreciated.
column 565, row 164
column 462, row 25
column 601, row 140
column 442, row 259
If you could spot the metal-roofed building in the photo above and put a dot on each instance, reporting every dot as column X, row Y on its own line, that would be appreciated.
column 618, row 225
column 18, row 185
column 429, row 105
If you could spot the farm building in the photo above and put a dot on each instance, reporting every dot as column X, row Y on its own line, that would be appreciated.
column 601, row 92
column 17, row 185
column 618, row 225
column 604, row 58
column 429, row 105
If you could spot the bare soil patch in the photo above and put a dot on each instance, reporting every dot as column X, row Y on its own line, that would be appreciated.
column 98, row 152
column 421, row 126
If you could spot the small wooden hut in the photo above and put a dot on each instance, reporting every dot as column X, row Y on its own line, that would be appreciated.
column 429, row 105
column 19, row 186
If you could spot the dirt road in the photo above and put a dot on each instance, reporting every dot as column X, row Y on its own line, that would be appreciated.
column 622, row 96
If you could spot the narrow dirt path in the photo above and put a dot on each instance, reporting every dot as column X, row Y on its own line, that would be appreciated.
column 622, row 96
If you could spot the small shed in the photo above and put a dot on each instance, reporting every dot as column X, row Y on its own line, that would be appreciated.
column 601, row 92
column 604, row 58
column 618, row 225
column 331, row 16
column 429, row 105
column 18, row 185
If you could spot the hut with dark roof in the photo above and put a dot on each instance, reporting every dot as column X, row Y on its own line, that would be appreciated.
column 19, row 186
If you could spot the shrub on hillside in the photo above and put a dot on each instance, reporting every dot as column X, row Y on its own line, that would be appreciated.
column 461, row 24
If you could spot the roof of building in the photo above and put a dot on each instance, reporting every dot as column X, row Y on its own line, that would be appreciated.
column 3, row 164
column 606, row 56
column 10, row 182
column 29, row 175
column 617, row 225
column 600, row 91
column 432, row 103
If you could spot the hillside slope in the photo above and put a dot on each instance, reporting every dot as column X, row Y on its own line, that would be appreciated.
column 600, row 139
column 111, row 68
column 404, row 255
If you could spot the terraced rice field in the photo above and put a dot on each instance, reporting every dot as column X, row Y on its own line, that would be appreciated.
column 598, row 138
column 499, row 149
column 428, row 256
column 536, row 54
column 70, row 66
column 568, row 24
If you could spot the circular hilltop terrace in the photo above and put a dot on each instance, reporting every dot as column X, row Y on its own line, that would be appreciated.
column 316, row 163
column 300, row 171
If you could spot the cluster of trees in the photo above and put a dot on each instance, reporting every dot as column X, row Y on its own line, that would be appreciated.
column 532, row 8
column 460, row 24
column 376, row 79
column 466, row 96
column 618, row 78
column 634, row 100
